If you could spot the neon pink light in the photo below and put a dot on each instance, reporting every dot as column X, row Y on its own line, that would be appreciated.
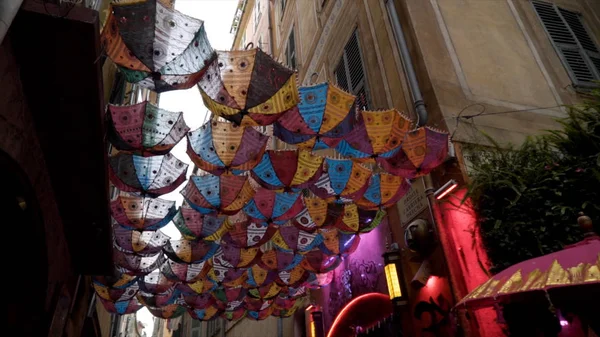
column 445, row 193
column 354, row 303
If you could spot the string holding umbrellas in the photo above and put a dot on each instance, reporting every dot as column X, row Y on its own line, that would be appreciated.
column 258, row 226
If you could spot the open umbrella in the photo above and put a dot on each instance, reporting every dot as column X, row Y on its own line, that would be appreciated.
column 199, row 301
column 187, row 251
column 201, row 286
column 385, row 190
column 142, row 213
column 122, row 307
column 290, row 238
column 144, row 243
column 272, row 207
column 152, row 176
column 248, row 87
column 137, row 265
column 422, row 150
column 248, row 234
column 169, row 311
column 317, row 261
column 221, row 147
column 259, row 276
column 115, row 289
column 336, row 242
column 167, row 297
column 155, row 46
column 207, row 314
column 380, row 134
column 218, row 194
column 288, row 169
column 293, row 277
column 344, row 182
column 258, row 309
column 279, row 260
column 234, row 257
column 144, row 128
column 324, row 116
column 184, row 272
column 314, row 215
column 155, row 283
column 234, row 315
column 229, row 298
column 194, row 225
column 355, row 220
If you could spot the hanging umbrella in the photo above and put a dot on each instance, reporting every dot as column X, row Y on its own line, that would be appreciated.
column 324, row 116
column 169, row 311
column 194, row 225
column 168, row 297
column 207, row 314
column 336, row 242
column 115, row 289
column 379, row 135
column 235, row 257
column 344, row 182
column 314, row 215
column 218, row 194
column 317, row 261
column 133, row 212
column 144, row 128
column 187, row 251
column 234, row 315
column 288, row 169
column 184, row 272
column 223, row 272
column 291, row 239
column 135, row 264
column 259, row 276
column 122, row 307
column 201, row 286
column 293, row 277
column 355, row 220
column 385, row 190
column 558, row 274
column 248, row 234
column 248, row 87
column 317, row 281
column 155, row 283
column 199, row 301
column 146, row 243
column 265, row 292
column 279, row 260
column 221, row 147
column 229, row 298
column 422, row 150
column 273, row 207
column 155, row 46
column 258, row 309
column 152, row 176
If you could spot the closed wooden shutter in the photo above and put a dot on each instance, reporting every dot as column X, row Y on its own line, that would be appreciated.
column 572, row 41
column 350, row 73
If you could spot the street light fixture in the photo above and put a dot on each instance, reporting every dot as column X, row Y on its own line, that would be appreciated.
column 395, row 278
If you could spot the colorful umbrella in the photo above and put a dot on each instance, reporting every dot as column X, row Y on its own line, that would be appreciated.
column 336, row 242
column 422, row 150
column 155, row 283
column 194, row 225
column 187, row 251
column 152, row 176
column 385, row 190
column 135, row 264
column 259, row 276
column 168, row 297
column 115, row 289
column 133, row 212
column 146, row 243
column 324, row 116
column 229, row 298
column 273, row 207
column 201, row 286
column 355, row 220
column 144, row 128
column 218, row 194
column 293, row 277
column 222, row 147
column 258, row 309
column 156, row 46
column 265, row 292
column 234, row 257
column 207, row 314
column 122, row 307
column 317, row 261
column 313, row 216
column 279, row 260
column 288, row 169
column 234, row 315
column 184, row 272
column 169, row 311
column 379, row 135
column 291, row 239
column 344, row 182
column 248, row 87
column 248, row 234
column 199, row 301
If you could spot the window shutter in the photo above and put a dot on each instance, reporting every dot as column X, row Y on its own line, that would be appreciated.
column 576, row 49
column 291, row 51
column 350, row 74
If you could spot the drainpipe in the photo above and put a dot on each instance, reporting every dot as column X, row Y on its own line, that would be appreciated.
column 409, row 70
column 8, row 11
column 271, row 51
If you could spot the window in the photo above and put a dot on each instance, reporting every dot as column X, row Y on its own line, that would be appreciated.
column 572, row 41
column 214, row 327
column 196, row 329
column 290, row 52
column 257, row 13
column 350, row 74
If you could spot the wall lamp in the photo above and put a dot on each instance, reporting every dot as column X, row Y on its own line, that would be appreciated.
column 443, row 191
column 395, row 278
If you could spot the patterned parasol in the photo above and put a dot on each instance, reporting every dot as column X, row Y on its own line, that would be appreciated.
column 137, row 265
column 248, row 234
column 235, row 257
column 355, row 220
column 206, row 314
column 336, row 242
column 223, row 272
column 379, row 135
column 422, row 150
column 279, row 260
column 313, row 216
column 156, row 46
column 201, row 286
column 385, row 190
column 259, row 276
column 258, row 309
column 288, row 169
column 169, row 296
column 199, row 301
column 122, row 307
column 324, row 116
column 221, row 147
column 133, row 212
column 229, row 298
column 194, row 225
column 168, row 311
column 184, row 272
column 187, row 251
column 248, row 87
column 317, row 261
column 234, row 315
column 293, row 277
column 155, row 283
column 115, row 289
column 145, row 129
column 152, row 176
column 273, row 207
column 292, row 239
column 344, row 182
column 144, row 243
column 218, row 194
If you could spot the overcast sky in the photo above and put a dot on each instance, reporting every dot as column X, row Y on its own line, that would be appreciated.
column 217, row 16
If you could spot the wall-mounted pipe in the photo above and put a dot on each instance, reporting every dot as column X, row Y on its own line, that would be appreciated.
column 8, row 11
column 407, row 64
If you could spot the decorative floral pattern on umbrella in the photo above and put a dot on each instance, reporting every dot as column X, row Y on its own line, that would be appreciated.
column 265, row 292
column 284, row 302
column 134, row 212
column 218, row 194
column 116, row 289
column 235, row 257
column 279, row 260
column 336, row 242
column 258, row 309
column 355, row 220
column 199, row 301
column 324, row 116
column 313, row 216
column 273, row 207
column 291, row 239
column 379, row 135
column 201, row 286
column 385, row 190
column 184, row 272
column 248, row 87
column 344, row 182
column 293, row 277
column 146, row 243
column 135, row 264
column 169, row 296
column 422, row 150
column 187, row 251
column 151, row 176
column 288, row 169
column 221, row 147
column 194, row 225
column 122, row 307
column 231, row 298
column 155, row 46
column 144, row 128
column 234, row 315
column 317, row 261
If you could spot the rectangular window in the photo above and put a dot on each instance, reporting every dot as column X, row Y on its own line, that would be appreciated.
column 290, row 52
column 257, row 13
column 214, row 327
column 196, row 329
column 577, row 50
column 350, row 73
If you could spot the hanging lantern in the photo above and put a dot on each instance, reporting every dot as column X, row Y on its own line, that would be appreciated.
column 395, row 278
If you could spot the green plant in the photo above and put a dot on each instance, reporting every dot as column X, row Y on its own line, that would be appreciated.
column 527, row 197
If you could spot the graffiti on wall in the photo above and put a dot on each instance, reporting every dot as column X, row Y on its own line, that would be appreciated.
column 434, row 316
